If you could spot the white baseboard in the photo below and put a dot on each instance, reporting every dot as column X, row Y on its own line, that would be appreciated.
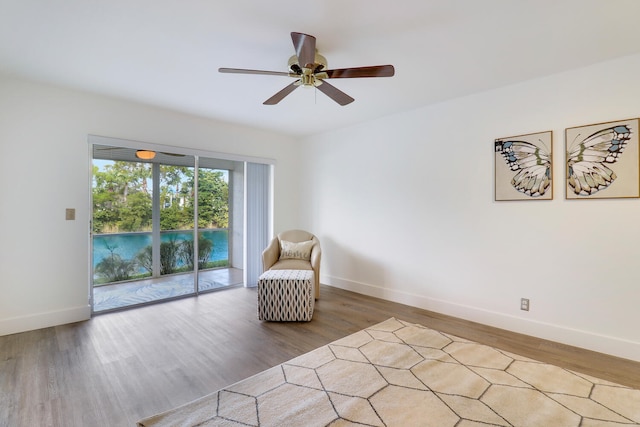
column 601, row 343
column 14, row 325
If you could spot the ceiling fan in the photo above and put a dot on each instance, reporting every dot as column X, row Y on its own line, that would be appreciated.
column 309, row 67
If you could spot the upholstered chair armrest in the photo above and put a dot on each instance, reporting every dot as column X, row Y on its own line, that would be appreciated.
column 316, row 255
column 271, row 254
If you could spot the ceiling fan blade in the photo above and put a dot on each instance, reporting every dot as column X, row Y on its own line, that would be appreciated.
column 305, row 46
column 334, row 93
column 280, row 95
column 372, row 71
column 243, row 71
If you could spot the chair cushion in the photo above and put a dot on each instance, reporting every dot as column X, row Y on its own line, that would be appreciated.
column 292, row 250
column 292, row 264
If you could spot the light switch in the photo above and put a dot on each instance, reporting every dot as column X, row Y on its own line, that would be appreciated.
column 70, row 214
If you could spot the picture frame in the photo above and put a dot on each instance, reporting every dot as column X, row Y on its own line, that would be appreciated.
column 603, row 160
column 523, row 167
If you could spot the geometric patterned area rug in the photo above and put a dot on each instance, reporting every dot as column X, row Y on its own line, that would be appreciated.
column 401, row 374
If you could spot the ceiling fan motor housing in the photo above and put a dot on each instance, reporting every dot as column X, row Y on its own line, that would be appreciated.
column 307, row 74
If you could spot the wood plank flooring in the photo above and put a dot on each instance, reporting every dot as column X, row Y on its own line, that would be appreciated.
column 121, row 367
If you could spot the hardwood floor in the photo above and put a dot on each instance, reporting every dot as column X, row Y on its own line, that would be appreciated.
column 121, row 367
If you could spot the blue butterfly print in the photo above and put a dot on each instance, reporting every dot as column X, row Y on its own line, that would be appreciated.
column 532, row 162
column 587, row 172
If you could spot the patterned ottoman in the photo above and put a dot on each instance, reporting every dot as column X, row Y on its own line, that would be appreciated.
column 286, row 295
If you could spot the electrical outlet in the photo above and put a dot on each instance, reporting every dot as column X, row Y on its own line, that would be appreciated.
column 524, row 304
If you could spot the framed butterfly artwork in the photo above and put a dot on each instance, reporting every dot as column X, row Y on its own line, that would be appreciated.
column 603, row 160
column 523, row 167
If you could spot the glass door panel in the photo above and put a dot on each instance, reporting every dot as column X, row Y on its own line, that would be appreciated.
column 121, row 225
column 176, row 224
column 214, row 270
column 143, row 210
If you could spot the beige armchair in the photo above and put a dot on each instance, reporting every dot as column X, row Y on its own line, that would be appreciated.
column 272, row 260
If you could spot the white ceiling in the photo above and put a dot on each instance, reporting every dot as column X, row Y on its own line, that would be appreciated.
column 167, row 52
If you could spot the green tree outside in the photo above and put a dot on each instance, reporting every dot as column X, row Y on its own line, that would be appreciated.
column 122, row 198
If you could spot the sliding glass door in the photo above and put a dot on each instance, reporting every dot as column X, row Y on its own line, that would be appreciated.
column 161, row 226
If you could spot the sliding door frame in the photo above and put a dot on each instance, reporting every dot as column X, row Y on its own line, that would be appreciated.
column 251, row 253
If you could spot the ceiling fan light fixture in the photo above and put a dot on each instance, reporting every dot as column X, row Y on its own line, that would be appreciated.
column 145, row 154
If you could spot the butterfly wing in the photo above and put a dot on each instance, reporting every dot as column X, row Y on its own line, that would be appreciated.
column 587, row 160
column 532, row 162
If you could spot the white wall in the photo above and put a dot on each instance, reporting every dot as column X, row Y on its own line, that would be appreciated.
column 44, row 169
column 404, row 207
